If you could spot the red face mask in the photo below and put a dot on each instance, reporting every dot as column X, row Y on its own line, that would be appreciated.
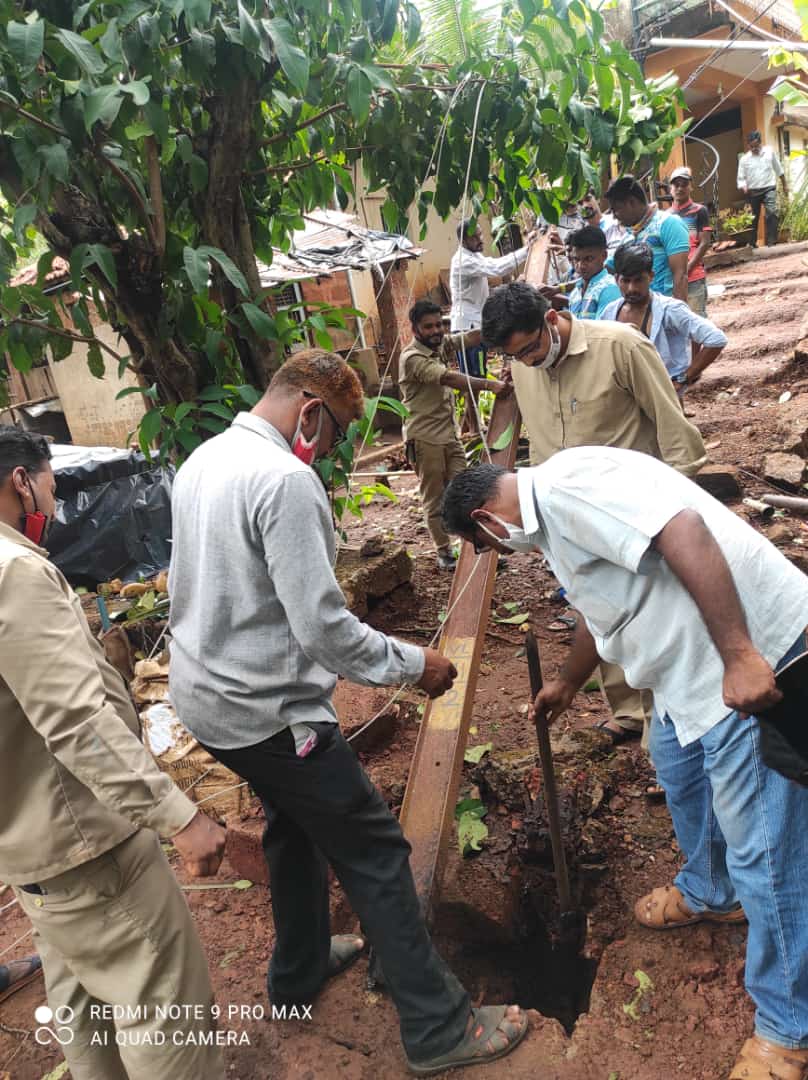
column 35, row 525
column 302, row 448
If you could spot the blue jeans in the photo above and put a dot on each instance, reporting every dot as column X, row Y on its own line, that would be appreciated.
column 743, row 829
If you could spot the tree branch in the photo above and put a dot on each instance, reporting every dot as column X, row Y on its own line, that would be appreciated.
column 306, row 123
column 305, row 163
column 32, row 118
column 133, row 191
column 62, row 332
column 156, row 194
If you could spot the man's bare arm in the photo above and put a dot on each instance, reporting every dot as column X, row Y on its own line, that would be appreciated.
column 692, row 553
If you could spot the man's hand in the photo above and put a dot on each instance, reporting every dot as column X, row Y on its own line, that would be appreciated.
column 501, row 387
column 749, row 683
column 743, row 189
column 439, row 673
column 552, row 700
column 201, row 845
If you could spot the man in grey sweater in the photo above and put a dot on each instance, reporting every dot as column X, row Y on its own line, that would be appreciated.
column 259, row 630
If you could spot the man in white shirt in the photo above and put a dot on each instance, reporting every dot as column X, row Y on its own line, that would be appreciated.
column 615, row 233
column 695, row 604
column 758, row 172
column 468, row 282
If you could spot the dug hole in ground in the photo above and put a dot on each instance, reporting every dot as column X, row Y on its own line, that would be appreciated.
column 636, row 1005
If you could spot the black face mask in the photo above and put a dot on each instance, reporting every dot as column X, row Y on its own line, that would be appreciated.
column 35, row 526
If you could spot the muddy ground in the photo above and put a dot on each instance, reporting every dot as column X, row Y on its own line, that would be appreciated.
column 497, row 919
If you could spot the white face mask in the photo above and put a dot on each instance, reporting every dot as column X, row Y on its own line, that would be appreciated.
column 555, row 348
column 518, row 539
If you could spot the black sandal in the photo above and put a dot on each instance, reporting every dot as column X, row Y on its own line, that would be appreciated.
column 618, row 737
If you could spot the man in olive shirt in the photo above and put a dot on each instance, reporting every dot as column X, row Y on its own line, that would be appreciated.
column 591, row 383
column 433, row 446
column 82, row 805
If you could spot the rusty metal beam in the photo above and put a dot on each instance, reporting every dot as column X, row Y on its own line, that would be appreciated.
column 427, row 814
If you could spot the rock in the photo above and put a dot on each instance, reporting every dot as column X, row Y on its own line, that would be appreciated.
column 784, row 469
column 374, row 545
column 792, row 426
column 721, row 481
column 779, row 533
column 801, row 351
column 363, row 579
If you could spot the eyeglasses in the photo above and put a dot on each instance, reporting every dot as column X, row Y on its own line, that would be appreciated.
column 528, row 349
column 341, row 436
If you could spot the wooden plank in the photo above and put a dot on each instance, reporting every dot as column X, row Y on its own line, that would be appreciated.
column 427, row 814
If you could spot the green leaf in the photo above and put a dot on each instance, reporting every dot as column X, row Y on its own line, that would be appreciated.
column 25, row 43
column 475, row 807
column 150, row 427
column 23, row 217
column 56, row 161
column 218, row 410
column 102, row 104
column 605, row 83
column 358, row 94
column 197, row 12
column 110, row 42
column 471, row 832
column 151, row 392
column 197, row 267
column 95, row 360
column 228, row 268
column 475, row 754
column 293, row 61
column 104, row 260
column 82, row 52
column 198, row 171
column 138, row 89
column 249, row 29
column 138, row 130
column 263, row 325
column 504, row 441
column 513, row 620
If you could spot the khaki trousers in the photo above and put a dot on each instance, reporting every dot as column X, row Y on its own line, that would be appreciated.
column 631, row 709
column 435, row 465
column 116, row 931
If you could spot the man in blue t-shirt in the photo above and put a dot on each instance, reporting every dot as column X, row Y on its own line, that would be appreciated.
column 666, row 234
column 594, row 285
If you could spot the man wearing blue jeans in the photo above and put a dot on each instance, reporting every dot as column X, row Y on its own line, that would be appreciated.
column 696, row 605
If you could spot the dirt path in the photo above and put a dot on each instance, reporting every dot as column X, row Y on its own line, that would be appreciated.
column 497, row 917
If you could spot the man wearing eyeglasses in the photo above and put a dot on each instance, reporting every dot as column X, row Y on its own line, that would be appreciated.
column 591, row 383
column 260, row 631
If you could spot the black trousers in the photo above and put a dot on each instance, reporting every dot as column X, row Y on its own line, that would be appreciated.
column 766, row 198
column 323, row 809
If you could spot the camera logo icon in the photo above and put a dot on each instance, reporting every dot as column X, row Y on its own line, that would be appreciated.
column 61, row 1032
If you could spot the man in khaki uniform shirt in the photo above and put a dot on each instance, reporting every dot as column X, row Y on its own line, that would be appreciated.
column 433, row 446
column 81, row 807
column 591, row 383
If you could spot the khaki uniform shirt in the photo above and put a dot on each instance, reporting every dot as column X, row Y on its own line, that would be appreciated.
column 75, row 780
column 431, row 404
column 609, row 389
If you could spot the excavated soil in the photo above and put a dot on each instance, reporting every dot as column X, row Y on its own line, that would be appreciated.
column 599, row 1017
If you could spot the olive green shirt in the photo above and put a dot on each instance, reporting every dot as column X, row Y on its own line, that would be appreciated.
column 609, row 389
column 75, row 780
column 431, row 405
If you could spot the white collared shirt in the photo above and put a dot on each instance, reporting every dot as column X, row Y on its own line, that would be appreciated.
column 759, row 171
column 594, row 512
column 468, row 283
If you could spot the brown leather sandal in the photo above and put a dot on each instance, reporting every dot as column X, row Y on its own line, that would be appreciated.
column 760, row 1059
column 665, row 909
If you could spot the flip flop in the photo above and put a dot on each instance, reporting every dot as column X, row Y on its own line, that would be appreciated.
column 664, row 908
column 9, row 986
column 488, row 1037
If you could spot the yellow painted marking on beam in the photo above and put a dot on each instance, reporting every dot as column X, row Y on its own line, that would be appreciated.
column 447, row 711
